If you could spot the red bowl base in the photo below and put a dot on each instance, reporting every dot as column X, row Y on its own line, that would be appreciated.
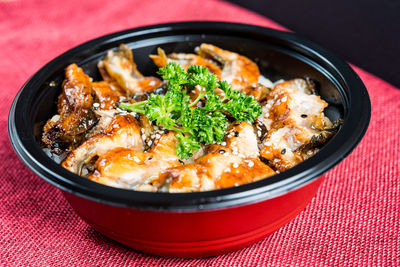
column 194, row 233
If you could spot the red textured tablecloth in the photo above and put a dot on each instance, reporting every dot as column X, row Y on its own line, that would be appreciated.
column 353, row 221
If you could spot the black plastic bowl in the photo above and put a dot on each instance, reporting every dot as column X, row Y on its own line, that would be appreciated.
column 202, row 223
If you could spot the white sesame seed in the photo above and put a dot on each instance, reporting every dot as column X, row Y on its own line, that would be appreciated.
column 284, row 99
column 223, row 143
column 259, row 133
column 250, row 164
column 143, row 137
column 158, row 136
column 227, row 170
column 96, row 105
column 149, row 143
column 142, row 130
column 136, row 159
column 268, row 143
column 235, row 165
column 116, row 125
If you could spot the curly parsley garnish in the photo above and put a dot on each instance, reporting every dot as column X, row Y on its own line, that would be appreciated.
column 192, row 123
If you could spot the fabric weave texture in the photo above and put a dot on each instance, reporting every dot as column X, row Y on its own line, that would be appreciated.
column 353, row 220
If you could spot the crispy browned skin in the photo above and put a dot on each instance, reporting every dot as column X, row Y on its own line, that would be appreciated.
column 119, row 67
column 107, row 94
column 258, row 91
column 123, row 131
column 75, row 114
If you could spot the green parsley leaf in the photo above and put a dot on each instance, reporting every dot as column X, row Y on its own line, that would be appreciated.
column 195, row 124
column 186, row 145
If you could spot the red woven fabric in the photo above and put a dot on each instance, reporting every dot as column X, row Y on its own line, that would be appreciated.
column 353, row 221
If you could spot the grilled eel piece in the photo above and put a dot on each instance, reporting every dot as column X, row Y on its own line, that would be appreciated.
column 66, row 130
column 296, row 124
column 118, row 68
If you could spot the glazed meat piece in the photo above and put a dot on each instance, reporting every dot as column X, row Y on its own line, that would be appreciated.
column 129, row 168
column 123, row 132
column 108, row 95
column 75, row 114
column 259, row 91
column 232, row 163
column 294, row 117
column 238, row 70
column 119, row 67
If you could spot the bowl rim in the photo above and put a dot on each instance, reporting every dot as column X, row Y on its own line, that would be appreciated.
column 355, row 125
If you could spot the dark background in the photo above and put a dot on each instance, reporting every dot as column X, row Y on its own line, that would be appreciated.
column 365, row 33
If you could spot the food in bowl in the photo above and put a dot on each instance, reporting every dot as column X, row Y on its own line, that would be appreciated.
column 212, row 121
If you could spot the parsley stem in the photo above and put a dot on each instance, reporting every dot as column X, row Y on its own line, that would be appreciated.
column 137, row 107
column 176, row 129
column 197, row 99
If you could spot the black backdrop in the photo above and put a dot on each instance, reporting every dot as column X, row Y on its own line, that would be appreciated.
column 365, row 33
